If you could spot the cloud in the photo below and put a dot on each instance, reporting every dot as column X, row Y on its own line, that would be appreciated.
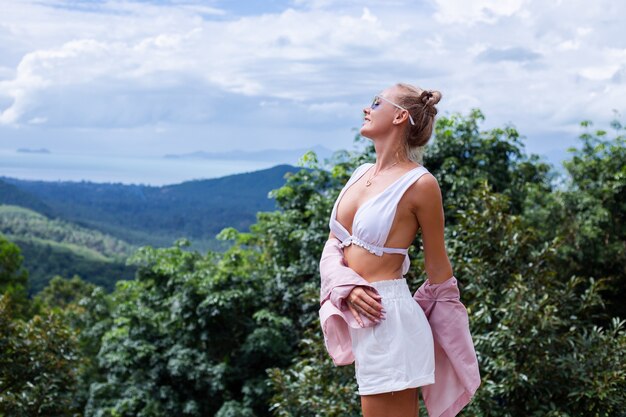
column 600, row 73
column 517, row 54
column 303, row 66
column 332, row 108
column 54, row 84
column 291, row 55
column 470, row 12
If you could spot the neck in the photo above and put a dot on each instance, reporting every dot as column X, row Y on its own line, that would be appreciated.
column 387, row 152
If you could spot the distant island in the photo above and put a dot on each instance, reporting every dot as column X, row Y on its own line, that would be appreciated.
column 26, row 150
column 271, row 155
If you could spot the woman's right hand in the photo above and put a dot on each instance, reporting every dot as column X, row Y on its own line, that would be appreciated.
column 363, row 300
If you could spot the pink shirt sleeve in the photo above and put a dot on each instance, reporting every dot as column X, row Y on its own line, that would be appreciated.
column 456, row 367
column 337, row 281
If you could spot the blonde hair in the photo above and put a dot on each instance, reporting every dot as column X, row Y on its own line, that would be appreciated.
column 421, row 106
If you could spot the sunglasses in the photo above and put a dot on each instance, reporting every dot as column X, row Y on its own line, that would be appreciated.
column 377, row 100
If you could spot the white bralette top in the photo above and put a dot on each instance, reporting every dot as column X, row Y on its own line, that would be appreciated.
column 374, row 218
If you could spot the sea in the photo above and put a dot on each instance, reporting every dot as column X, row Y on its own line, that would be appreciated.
column 148, row 170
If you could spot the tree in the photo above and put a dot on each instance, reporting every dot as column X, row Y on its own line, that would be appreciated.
column 540, row 352
column 83, row 308
column 462, row 155
column 13, row 278
column 38, row 360
column 190, row 335
column 590, row 213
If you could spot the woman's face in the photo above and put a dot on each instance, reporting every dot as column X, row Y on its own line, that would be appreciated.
column 379, row 120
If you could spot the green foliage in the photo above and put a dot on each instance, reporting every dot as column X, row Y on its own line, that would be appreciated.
column 84, row 309
column 13, row 278
column 529, row 319
column 19, row 221
column 190, row 334
column 64, row 294
column 55, row 247
column 45, row 259
column 11, row 194
column 313, row 386
column 591, row 213
column 461, row 156
column 38, row 360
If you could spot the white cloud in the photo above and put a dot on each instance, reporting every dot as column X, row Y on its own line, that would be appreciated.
column 283, row 55
column 37, row 120
column 333, row 108
column 172, row 67
column 599, row 73
column 469, row 12
column 368, row 16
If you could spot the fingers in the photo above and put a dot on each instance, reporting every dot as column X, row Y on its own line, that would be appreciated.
column 360, row 306
column 372, row 293
column 374, row 301
column 365, row 301
column 370, row 311
column 355, row 313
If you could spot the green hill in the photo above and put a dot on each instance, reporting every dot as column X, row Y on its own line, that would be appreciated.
column 157, row 216
column 26, row 223
column 56, row 247
column 11, row 194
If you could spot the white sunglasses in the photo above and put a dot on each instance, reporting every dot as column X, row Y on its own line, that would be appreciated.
column 376, row 103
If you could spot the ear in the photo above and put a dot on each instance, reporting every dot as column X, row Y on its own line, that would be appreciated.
column 400, row 117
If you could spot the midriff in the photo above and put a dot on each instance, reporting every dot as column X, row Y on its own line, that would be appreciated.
column 388, row 266
column 371, row 267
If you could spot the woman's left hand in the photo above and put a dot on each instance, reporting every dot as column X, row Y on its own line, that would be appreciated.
column 362, row 300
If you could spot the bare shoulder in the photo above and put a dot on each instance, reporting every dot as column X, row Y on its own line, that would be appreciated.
column 424, row 192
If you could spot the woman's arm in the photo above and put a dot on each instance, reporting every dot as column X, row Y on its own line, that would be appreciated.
column 428, row 204
column 363, row 301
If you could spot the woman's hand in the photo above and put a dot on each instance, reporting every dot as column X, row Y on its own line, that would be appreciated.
column 363, row 300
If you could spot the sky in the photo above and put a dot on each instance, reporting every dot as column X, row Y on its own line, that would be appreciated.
column 175, row 76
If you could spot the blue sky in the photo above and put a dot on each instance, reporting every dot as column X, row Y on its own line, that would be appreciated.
column 157, row 77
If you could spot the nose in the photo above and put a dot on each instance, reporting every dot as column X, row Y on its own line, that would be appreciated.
column 366, row 110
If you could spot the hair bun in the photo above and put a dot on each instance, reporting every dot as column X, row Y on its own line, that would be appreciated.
column 430, row 97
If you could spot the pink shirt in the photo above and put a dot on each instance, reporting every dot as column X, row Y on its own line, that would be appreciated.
column 456, row 367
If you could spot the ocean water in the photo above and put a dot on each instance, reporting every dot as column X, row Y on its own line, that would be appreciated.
column 119, row 169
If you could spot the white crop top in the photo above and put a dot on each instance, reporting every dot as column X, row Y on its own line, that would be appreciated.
column 374, row 218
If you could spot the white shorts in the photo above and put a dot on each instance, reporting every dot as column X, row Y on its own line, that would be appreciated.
column 397, row 353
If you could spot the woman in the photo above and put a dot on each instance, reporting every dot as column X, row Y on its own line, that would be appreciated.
column 375, row 219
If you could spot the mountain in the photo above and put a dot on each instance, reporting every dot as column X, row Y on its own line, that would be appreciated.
column 151, row 215
column 56, row 247
column 12, row 194
column 28, row 150
column 288, row 156
column 89, row 229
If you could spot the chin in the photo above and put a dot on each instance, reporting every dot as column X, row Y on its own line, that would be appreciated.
column 366, row 133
